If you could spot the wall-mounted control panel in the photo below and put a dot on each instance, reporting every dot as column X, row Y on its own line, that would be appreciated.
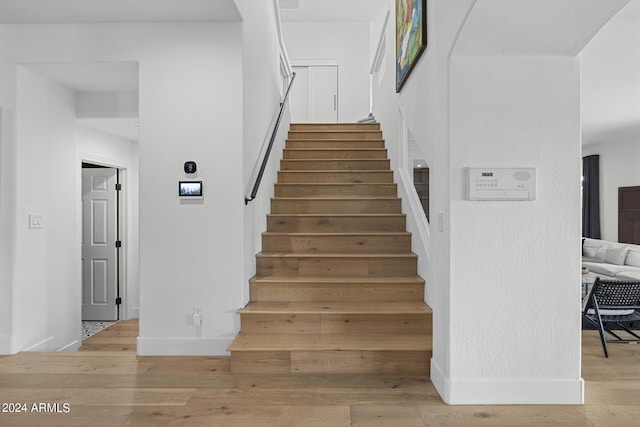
column 501, row 183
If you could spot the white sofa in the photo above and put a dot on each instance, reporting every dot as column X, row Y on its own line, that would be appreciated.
column 618, row 260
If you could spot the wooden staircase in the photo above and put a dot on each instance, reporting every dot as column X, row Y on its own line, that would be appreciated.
column 336, row 288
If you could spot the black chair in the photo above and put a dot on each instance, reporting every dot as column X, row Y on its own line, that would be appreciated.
column 614, row 302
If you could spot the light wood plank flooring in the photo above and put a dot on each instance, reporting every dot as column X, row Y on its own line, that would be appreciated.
column 107, row 384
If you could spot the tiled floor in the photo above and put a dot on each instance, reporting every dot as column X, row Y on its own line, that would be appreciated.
column 90, row 327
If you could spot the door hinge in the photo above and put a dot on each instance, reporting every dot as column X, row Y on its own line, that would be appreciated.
column 118, row 243
column 118, row 187
column 118, row 301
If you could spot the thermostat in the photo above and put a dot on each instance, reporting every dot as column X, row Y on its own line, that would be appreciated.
column 190, row 167
column 190, row 189
column 501, row 183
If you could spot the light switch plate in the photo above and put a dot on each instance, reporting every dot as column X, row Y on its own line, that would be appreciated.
column 36, row 221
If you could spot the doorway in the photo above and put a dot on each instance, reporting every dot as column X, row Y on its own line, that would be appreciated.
column 314, row 96
column 100, row 243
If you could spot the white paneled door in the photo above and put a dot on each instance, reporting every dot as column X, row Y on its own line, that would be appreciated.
column 99, row 252
column 314, row 96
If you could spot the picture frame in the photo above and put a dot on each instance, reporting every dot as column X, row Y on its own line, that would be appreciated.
column 411, row 37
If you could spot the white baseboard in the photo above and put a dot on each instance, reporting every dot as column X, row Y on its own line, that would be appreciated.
column 41, row 346
column 416, row 217
column 72, row 346
column 183, row 346
column 508, row 392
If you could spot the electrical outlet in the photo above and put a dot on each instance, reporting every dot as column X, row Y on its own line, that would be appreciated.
column 197, row 316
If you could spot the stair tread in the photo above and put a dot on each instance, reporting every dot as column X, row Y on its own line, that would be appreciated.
column 363, row 215
column 321, row 140
column 333, row 234
column 336, row 171
column 331, row 342
column 335, row 255
column 364, row 130
column 336, row 308
column 336, row 184
column 347, row 197
column 345, row 310
column 335, row 148
column 348, row 124
column 354, row 159
column 337, row 279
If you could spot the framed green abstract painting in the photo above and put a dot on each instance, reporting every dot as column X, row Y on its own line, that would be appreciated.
column 411, row 37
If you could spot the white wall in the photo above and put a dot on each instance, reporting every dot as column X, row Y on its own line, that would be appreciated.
column 191, row 252
column 190, row 109
column 423, row 105
column 508, row 258
column 44, row 295
column 618, row 168
column 7, row 215
column 105, row 149
column 491, row 91
column 345, row 42
column 261, row 95
column 107, row 104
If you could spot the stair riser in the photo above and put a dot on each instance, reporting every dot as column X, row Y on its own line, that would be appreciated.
column 336, row 267
column 337, row 240
column 350, row 206
column 287, row 323
column 333, row 143
column 336, row 134
column 336, row 190
column 337, row 244
column 373, row 177
column 334, row 126
column 335, row 165
column 334, row 154
column 331, row 362
column 328, row 224
column 328, row 292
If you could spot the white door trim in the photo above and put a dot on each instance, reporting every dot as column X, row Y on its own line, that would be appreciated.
column 314, row 63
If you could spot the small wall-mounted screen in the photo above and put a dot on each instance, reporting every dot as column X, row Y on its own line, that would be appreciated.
column 190, row 188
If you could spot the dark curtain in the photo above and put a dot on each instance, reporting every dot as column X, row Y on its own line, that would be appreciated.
column 591, row 197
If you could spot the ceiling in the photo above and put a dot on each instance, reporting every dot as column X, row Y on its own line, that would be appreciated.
column 81, row 11
column 109, row 77
column 610, row 71
column 92, row 76
column 611, row 80
column 333, row 10
column 98, row 77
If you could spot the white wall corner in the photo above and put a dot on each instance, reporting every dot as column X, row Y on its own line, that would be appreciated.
column 183, row 346
column 134, row 313
column 440, row 381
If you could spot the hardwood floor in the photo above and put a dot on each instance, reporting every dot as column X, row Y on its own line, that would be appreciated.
column 121, row 336
column 106, row 383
